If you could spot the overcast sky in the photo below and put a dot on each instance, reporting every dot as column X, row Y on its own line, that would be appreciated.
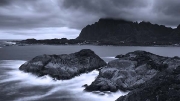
column 45, row 19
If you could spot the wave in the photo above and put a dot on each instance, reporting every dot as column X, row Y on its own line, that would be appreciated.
column 73, row 86
column 110, row 57
column 107, row 59
column 9, row 42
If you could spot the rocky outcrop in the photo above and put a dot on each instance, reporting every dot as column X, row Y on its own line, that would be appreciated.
column 121, row 32
column 65, row 66
column 175, row 35
column 164, row 86
column 178, row 27
column 128, row 72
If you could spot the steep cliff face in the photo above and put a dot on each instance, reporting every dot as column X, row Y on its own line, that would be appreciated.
column 175, row 35
column 126, row 31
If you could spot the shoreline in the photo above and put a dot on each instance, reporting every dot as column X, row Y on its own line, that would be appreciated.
column 108, row 45
column 20, row 44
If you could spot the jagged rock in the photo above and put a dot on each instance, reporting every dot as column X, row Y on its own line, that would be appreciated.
column 65, row 66
column 119, row 56
column 178, row 27
column 164, row 86
column 118, row 30
column 175, row 35
column 85, row 85
column 128, row 72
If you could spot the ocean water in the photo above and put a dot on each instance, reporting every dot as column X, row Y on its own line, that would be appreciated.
column 16, row 85
column 19, row 86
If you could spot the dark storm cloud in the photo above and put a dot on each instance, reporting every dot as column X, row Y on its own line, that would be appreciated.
column 126, row 9
column 32, row 15
column 4, row 2
column 168, row 7
column 34, row 19
column 167, row 11
column 40, row 13
column 25, row 13
column 79, row 13
column 109, row 8
column 156, row 11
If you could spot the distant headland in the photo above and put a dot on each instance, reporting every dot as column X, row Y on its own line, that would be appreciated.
column 121, row 32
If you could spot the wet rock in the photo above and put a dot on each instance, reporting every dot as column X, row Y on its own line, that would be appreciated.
column 85, row 85
column 65, row 66
column 128, row 72
column 119, row 56
column 165, row 86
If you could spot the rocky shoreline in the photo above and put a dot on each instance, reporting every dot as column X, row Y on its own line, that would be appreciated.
column 164, row 86
column 147, row 77
column 65, row 66
column 128, row 72
column 64, row 41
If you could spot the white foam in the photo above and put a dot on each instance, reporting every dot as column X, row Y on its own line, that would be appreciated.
column 10, row 43
column 30, row 98
column 110, row 57
column 74, row 85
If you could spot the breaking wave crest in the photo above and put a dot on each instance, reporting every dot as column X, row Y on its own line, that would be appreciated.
column 27, row 87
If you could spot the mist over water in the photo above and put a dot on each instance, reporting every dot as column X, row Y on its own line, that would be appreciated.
column 19, row 86
column 6, row 43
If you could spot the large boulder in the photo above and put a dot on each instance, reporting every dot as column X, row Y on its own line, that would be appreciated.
column 128, row 72
column 65, row 66
column 164, row 86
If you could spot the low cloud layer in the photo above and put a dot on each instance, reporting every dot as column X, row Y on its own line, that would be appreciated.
column 34, row 18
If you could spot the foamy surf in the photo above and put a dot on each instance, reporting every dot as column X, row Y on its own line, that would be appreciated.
column 109, row 57
column 51, row 87
column 9, row 42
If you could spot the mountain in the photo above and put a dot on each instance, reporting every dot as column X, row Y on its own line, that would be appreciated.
column 122, row 31
column 175, row 35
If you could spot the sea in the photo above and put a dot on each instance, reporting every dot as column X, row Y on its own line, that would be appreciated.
column 16, row 85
